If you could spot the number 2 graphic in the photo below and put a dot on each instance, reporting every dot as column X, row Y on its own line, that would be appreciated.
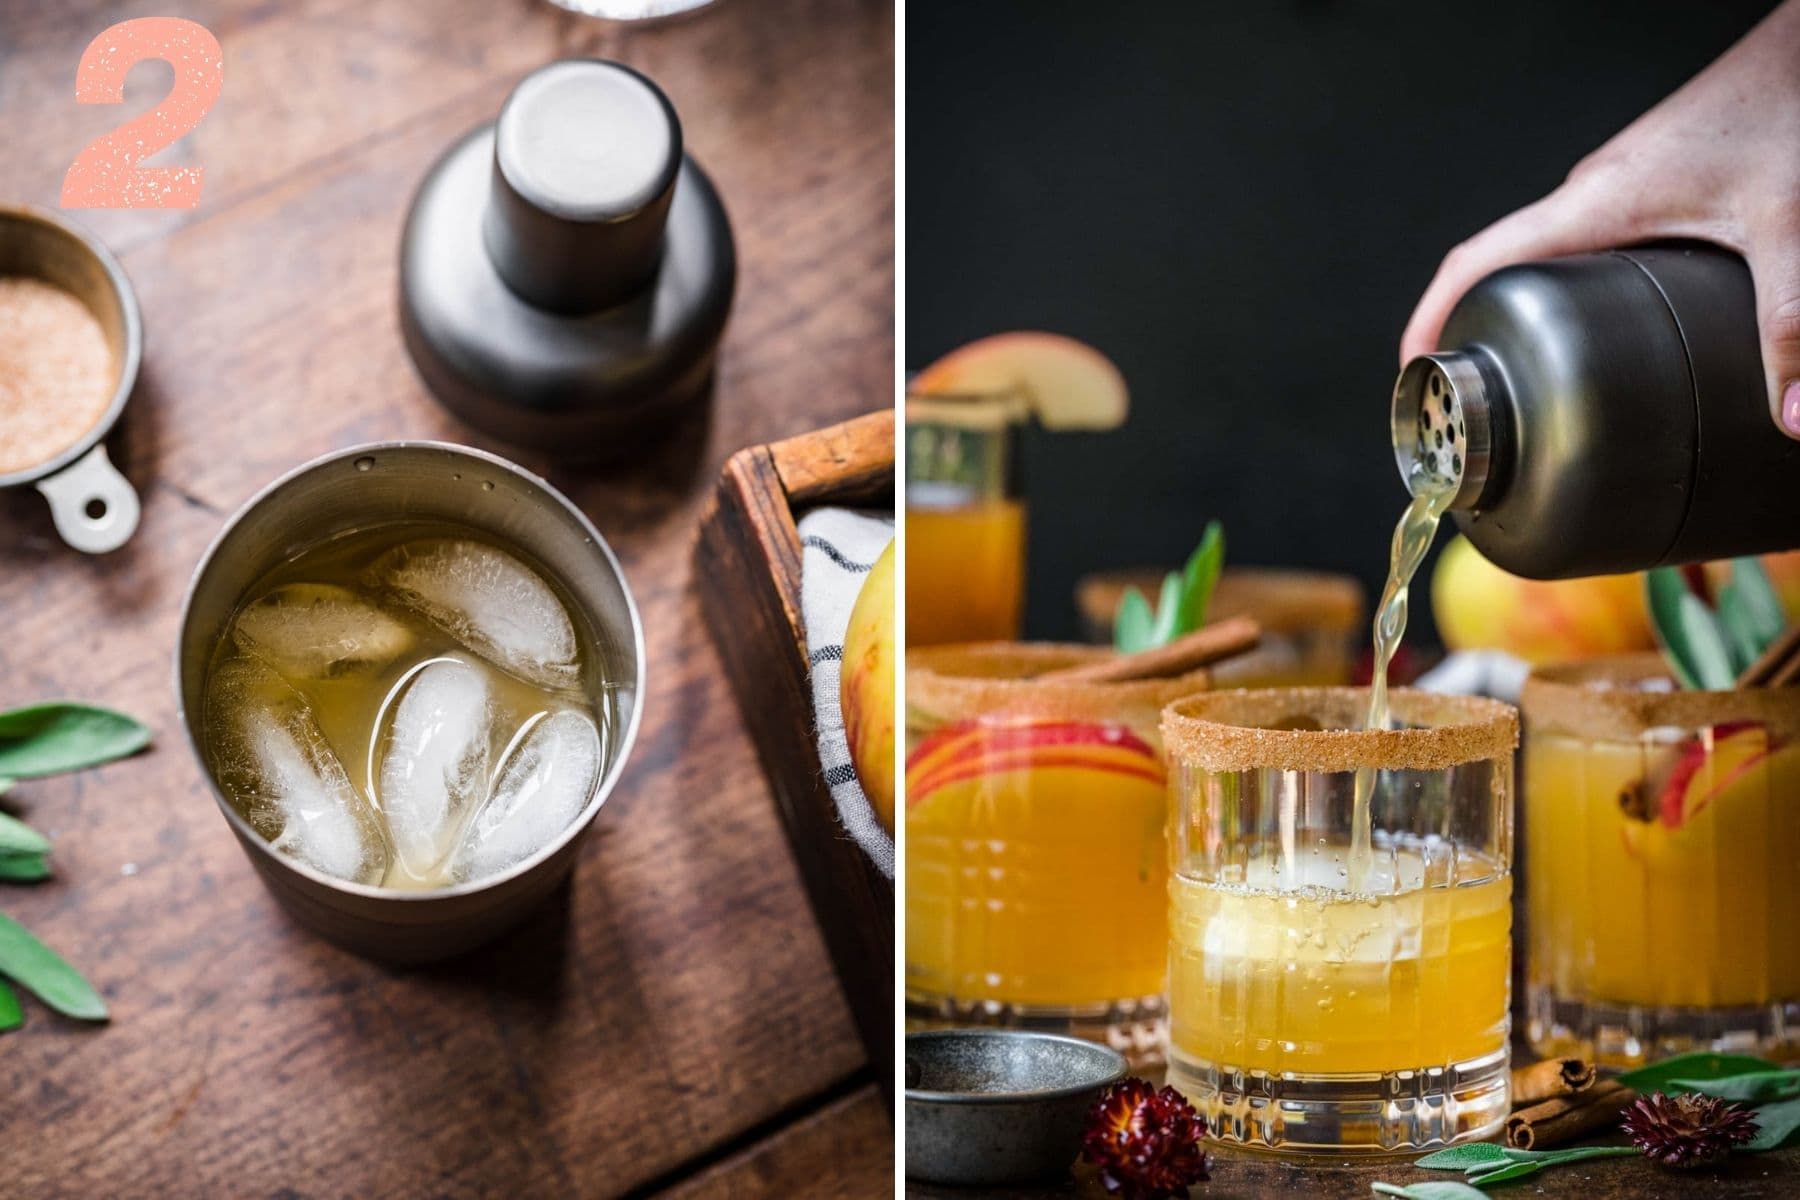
column 106, row 173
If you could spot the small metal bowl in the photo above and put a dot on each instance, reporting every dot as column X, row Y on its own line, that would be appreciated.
column 94, row 507
column 423, row 481
column 990, row 1107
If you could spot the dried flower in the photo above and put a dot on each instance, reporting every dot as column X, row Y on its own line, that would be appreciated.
column 1145, row 1142
column 1688, row 1130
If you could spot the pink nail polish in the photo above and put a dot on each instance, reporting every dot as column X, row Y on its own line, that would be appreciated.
column 1790, row 408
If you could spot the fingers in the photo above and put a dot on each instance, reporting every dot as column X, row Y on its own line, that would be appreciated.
column 1775, row 265
column 1577, row 216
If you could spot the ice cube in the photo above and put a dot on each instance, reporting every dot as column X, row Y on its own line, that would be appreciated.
column 433, row 761
column 487, row 600
column 543, row 784
column 279, row 772
column 319, row 630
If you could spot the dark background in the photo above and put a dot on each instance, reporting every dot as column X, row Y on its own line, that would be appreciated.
column 1240, row 204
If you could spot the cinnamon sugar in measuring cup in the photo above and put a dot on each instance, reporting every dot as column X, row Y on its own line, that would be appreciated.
column 56, row 372
column 70, row 344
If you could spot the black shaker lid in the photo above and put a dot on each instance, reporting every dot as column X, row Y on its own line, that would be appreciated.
column 566, row 271
column 586, row 155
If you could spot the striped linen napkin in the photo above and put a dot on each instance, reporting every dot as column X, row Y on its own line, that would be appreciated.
column 838, row 548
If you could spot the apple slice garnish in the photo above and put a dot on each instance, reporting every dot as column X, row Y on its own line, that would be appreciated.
column 1065, row 383
column 1732, row 749
column 968, row 750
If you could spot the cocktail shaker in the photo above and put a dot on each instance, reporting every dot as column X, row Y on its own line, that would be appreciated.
column 1604, row 413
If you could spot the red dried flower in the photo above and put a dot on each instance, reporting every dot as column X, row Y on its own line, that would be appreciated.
column 1688, row 1130
column 1145, row 1142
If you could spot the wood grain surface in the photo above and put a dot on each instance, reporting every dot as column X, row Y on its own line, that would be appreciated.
column 670, row 1021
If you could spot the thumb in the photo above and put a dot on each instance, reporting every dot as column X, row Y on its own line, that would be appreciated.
column 1567, row 221
column 1775, row 266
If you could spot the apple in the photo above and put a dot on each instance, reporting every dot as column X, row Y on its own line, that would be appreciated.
column 1736, row 747
column 1065, row 383
column 970, row 750
column 1478, row 606
column 866, row 687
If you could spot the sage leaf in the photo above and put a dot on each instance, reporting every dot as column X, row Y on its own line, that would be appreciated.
column 1739, row 628
column 1181, row 604
column 1529, row 1162
column 59, row 736
column 18, row 837
column 1754, row 1087
column 1133, row 626
column 1700, row 1065
column 17, row 867
column 37, row 968
column 1168, row 611
column 1457, row 1158
column 1201, row 575
column 1431, row 1189
column 1775, row 1124
column 11, row 1015
column 1687, row 631
column 1755, row 597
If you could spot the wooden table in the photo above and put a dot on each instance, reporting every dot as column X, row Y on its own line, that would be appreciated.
column 670, row 1023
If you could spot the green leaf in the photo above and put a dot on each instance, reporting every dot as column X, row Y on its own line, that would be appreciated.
column 11, row 1015
column 1739, row 630
column 49, row 739
column 1181, row 606
column 1701, row 1065
column 1529, row 1162
column 22, row 867
column 1755, row 1087
column 17, row 836
column 1168, row 611
column 1775, row 1125
column 1201, row 575
column 38, row 969
column 1756, row 597
column 1457, row 1158
column 1132, row 627
column 1431, row 1189
column 1688, row 632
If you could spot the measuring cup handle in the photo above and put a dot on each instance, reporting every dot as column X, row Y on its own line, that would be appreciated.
column 94, row 507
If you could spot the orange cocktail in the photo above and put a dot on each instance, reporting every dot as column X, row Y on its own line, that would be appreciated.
column 1662, row 838
column 1037, row 875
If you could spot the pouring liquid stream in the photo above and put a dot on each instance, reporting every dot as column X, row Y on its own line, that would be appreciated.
column 1412, row 538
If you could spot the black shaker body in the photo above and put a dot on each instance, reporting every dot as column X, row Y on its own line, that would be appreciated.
column 1614, row 411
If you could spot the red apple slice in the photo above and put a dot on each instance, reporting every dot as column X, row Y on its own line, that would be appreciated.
column 1732, row 749
column 1067, row 384
column 968, row 750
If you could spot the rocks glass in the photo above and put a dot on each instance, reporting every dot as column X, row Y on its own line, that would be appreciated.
column 1036, row 867
column 1331, row 988
column 1662, row 836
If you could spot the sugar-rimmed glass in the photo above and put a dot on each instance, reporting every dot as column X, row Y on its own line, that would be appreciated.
column 1662, row 836
column 1036, row 866
column 1325, row 994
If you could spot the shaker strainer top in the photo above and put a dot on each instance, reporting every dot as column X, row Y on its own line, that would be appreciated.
column 1440, row 426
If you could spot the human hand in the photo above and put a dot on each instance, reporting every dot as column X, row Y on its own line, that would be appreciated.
column 1718, row 161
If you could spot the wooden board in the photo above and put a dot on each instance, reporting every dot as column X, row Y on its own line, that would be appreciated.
column 674, row 1009
column 749, row 556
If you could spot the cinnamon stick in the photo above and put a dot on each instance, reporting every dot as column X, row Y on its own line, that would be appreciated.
column 1208, row 644
column 1778, row 665
column 1565, row 1118
column 1546, row 1080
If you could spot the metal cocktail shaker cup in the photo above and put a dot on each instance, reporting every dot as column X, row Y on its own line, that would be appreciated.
column 1604, row 413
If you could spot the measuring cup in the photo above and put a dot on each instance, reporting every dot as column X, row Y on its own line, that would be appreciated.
column 93, row 505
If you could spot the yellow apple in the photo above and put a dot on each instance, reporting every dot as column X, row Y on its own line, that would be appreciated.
column 1067, row 384
column 867, row 687
column 1481, row 607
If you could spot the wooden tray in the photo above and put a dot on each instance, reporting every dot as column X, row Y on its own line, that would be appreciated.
column 748, row 578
